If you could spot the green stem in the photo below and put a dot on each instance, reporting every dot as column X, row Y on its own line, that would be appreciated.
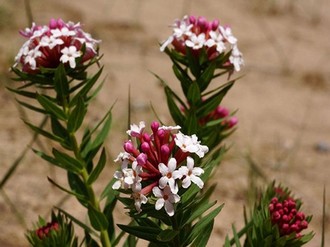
column 93, row 199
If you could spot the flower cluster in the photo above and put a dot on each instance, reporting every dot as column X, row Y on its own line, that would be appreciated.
column 158, row 165
column 44, row 231
column 198, row 33
column 59, row 42
column 286, row 216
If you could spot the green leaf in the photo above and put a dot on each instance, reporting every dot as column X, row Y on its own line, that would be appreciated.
column 200, row 225
column 78, row 186
column 78, row 222
column 85, row 90
column 27, row 94
column 44, row 133
column 193, row 62
column 143, row 232
column 61, row 83
column 206, row 77
column 199, row 211
column 102, row 135
column 98, row 169
column 77, row 116
column 51, row 107
column 167, row 235
column 175, row 112
column 182, row 76
column 212, row 102
column 194, row 94
column 80, row 197
column 97, row 219
column 67, row 161
column 31, row 107
column 203, row 238
column 58, row 129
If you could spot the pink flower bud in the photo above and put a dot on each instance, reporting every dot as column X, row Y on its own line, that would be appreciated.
column 142, row 159
column 154, row 126
column 129, row 147
column 192, row 19
column 221, row 112
column 145, row 147
column 300, row 216
column 215, row 24
column 232, row 122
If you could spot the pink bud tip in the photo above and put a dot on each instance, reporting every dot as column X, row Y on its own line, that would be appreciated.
column 128, row 147
column 142, row 159
column 154, row 126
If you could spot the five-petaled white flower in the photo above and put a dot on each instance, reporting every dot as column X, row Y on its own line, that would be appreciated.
column 217, row 40
column 165, row 199
column 169, row 175
column 236, row 58
column 50, row 41
column 228, row 35
column 196, row 42
column 63, row 32
column 31, row 57
column 136, row 130
column 190, row 174
column 69, row 55
column 139, row 198
column 190, row 144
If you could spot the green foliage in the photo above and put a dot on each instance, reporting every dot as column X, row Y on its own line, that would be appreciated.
column 58, row 233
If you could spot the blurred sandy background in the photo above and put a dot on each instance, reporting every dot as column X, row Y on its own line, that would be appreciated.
column 283, row 99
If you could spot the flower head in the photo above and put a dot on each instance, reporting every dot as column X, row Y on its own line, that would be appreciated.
column 151, row 163
column 50, row 45
column 198, row 34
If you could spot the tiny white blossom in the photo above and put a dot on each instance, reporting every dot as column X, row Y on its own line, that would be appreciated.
column 191, row 174
column 50, row 41
column 63, row 32
column 190, row 144
column 139, row 198
column 69, row 55
column 31, row 57
column 169, row 175
column 196, row 42
column 236, row 58
column 165, row 199
column 217, row 40
column 136, row 130
column 227, row 34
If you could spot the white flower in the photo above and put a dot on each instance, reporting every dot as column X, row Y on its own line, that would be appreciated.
column 63, row 32
column 180, row 28
column 128, row 177
column 138, row 198
column 227, row 34
column 50, row 42
column 69, row 55
column 169, row 128
column 31, row 57
column 169, row 175
column 165, row 199
column 196, row 42
column 236, row 58
column 190, row 144
column 136, row 130
column 217, row 40
column 191, row 174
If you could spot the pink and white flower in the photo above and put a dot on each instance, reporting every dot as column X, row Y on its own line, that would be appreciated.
column 50, row 45
column 166, row 199
column 190, row 174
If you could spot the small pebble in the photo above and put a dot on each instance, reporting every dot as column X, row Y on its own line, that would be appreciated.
column 322, row 147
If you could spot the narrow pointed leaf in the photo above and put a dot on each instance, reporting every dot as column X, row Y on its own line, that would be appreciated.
column 97, row 219
column 77, row 116
column 61, row 83
column 81, row 197
column 44, row 133
column 98, row 168
column 67, row 161
column 51, row 107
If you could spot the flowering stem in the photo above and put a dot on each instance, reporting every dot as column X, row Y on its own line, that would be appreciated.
column 93, row 199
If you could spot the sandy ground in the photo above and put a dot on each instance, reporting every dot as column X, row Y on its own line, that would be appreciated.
column 283, row 99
